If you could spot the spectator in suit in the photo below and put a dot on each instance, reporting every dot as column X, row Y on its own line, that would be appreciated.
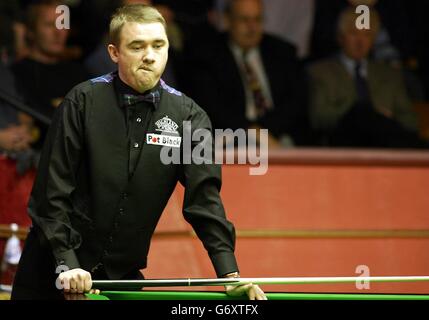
column 358, row 102
column 401, row 40
column 249, row 79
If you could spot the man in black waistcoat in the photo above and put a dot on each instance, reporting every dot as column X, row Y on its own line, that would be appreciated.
column 101, row 185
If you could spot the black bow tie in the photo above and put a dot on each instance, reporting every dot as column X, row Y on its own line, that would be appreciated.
column 152, row 97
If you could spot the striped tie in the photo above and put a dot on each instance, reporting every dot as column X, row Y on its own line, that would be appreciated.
column 261, row 102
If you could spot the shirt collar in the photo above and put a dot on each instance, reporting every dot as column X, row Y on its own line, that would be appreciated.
column 124, row 90
column 240, row 54
column 349, row 64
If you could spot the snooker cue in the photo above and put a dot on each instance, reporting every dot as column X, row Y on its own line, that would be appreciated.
column 139, row 284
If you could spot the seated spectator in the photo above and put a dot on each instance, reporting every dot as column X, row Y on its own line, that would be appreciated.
column 249, row 79
column 358, row 102
column 401, row 40
column 44, row 77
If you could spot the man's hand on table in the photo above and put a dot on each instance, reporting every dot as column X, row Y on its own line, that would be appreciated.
column 76, row 281
column 253, row 291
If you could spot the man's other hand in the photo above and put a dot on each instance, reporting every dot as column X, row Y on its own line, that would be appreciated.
column 253, row 291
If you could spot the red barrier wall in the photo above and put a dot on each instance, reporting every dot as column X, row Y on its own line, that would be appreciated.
column 314, row 200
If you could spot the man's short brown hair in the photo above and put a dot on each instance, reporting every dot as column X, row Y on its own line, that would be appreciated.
column 139, row 13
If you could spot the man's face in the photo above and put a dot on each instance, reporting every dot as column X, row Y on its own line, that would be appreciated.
column 47, row 39
column 355, row 43
column 245, row 23
column 142, row 54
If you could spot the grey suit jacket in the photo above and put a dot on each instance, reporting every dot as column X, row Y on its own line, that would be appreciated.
column 333, row 93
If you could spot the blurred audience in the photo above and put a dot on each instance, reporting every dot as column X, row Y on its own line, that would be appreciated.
column 248, row 79
column 195, row 19
column 390, row 39
column 248, row 76
column 17, row 131
column 399, row 41
column 45, row 76
column 356, row 101
column 290, row 20
column 17, row 159
column 12, row 43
